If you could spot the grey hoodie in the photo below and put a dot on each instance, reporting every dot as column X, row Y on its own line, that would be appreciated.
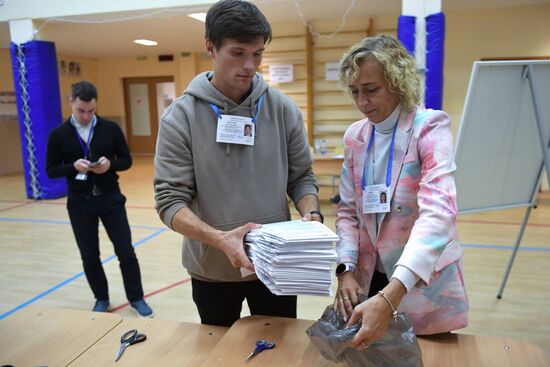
column 229, row 185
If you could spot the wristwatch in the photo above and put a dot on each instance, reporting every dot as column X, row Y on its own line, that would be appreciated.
column 344, row 267
column 316, row 212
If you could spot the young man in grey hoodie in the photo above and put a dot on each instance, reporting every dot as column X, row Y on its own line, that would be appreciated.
column 214, row 192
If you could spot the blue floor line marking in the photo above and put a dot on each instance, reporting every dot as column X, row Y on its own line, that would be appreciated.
column 505, row 247
column 65, row 222
column 71, row 279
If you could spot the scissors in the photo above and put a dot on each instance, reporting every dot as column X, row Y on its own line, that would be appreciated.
column 127, row 339
column 261, row 344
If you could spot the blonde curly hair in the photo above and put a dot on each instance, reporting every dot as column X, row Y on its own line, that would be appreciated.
column 399, row 67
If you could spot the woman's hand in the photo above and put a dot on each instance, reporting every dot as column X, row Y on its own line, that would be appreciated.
column 375, row 313
column 346, row 296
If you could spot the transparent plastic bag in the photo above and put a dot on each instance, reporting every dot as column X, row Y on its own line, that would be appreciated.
column 398, row 347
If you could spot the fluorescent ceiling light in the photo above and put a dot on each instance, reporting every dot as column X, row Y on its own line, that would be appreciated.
column 198, row 16
column 146, row 42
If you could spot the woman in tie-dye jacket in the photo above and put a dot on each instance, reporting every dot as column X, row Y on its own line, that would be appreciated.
column 415, row 245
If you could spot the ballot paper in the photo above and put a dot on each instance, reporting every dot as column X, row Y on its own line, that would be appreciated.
column 293, row 257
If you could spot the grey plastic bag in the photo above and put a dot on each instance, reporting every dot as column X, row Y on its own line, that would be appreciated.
column 398, row 347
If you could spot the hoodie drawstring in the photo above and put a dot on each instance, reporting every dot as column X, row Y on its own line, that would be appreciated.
column 227, row 145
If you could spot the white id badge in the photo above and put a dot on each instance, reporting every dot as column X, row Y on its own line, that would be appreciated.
column 81, row 176
column 376, row 199
column 235, row 130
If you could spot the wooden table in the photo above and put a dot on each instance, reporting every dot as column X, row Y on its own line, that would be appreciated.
column 294, row 349
column 51, row 337
column 478, row 350
column 54, row 337
column 169, row 343
column 327, row 165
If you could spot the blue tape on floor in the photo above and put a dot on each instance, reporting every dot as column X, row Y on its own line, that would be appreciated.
column 504, row 247
column 67, row 281
column 47, row 221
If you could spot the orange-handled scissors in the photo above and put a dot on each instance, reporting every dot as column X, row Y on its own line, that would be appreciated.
column 261, row 344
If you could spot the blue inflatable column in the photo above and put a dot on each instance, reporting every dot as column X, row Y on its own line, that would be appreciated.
column 435, row 59
column 36, row 82
column 434, row 54
column 406, row 31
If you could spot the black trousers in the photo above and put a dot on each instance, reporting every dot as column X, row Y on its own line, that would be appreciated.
column 85, row 213
column 220, row 303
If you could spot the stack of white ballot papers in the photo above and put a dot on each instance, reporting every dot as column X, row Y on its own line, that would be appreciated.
column 294, row 257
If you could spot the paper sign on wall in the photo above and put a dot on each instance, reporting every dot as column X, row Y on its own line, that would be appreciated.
column 331, row 70
column 8, row 106
column 281, row 73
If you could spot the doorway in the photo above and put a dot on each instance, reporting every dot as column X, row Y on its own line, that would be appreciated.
column 145, row 100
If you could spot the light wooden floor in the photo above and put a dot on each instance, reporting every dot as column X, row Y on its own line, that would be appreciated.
column 40, row 264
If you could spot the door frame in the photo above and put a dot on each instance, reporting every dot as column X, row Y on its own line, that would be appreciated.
column 143, row 145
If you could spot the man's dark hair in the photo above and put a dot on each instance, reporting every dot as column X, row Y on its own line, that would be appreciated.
column 235, row 19
column 85, row 91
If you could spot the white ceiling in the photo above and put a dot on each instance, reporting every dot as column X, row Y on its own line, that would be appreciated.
column 175, row 32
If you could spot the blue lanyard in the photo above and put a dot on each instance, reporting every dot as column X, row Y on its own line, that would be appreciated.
column 390, row 159
column 87, row 147
column 217, row 110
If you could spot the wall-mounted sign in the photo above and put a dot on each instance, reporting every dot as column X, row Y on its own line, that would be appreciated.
column 331, row 70
column 69, row 68
column 281, row 73
column 8, row 106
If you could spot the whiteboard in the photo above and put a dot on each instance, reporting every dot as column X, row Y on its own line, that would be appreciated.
column 498, row 150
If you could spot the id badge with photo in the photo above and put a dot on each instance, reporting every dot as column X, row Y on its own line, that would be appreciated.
column 376, row 199
column 235, row 130
column 81, row 176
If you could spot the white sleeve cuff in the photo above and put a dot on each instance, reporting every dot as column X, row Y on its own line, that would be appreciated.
column 406, row 276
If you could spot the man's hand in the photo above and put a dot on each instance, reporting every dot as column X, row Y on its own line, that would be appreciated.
column 306, row 205
column 102, row 167
column 231, row 243
column 81, row 165
column 311, row 217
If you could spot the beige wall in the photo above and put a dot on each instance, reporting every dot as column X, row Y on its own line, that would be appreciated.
column 88, row 71
column 11, row 160
column 6, row 75
column 10, row 145
column 470, row 36
column 113, row 70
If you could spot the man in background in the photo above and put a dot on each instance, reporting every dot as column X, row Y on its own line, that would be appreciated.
column 88, row 150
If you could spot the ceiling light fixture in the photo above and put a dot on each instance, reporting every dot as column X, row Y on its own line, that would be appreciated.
column 146, row 42
column 198, row 16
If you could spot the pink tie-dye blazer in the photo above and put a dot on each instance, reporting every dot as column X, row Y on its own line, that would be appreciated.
column 420, row 230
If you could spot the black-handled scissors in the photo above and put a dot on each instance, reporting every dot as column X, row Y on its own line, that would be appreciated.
column 261, row 344
column 127, row 339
